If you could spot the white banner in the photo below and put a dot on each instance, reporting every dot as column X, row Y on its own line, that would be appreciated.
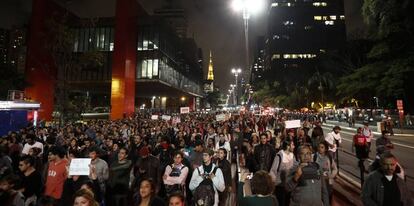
column 79, row 166
column 166, row 117
column 292, row 124
column 154, row 117
column 184, row 110
column 220, row 117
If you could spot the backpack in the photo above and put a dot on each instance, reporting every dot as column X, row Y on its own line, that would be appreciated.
column 204, row 194
column 176, row 188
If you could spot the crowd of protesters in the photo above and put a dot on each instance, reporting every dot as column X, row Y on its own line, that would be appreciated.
column 189, row 160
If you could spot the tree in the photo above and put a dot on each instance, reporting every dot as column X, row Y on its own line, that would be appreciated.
column 391, row 58
column 213, row 98
column 323, row 82
column 60, row 42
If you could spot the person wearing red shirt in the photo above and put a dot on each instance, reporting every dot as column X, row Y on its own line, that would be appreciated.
column 56, row 172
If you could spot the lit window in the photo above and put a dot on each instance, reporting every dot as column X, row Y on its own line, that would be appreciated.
column 333, row 17
column 342, row 17
column 289, row 4
column 294, row 56
column 276, row 56
column 111, row 46
column 276, row 37
column 324, row 4
column 318, row 18
column 316, row 3
column 286, row 56
column 329, row 22
column 325, row 18
column 275, row 4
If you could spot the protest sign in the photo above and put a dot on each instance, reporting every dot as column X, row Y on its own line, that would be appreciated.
column 184, row 110
column 79, row 166
column 154, row 117
column 166, row 117
column 292, row 124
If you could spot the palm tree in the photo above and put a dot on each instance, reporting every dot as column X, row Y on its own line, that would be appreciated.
column 323, row 81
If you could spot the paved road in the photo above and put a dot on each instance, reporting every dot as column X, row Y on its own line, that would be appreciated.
column 403, row 150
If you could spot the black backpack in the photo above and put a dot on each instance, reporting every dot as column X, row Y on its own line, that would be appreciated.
column 204, row 194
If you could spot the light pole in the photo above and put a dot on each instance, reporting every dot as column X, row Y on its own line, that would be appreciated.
column 233, row 89
column 376, row 100
column 236, row 73
column 247, row 7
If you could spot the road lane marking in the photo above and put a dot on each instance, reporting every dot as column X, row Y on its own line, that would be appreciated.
column 374, row 139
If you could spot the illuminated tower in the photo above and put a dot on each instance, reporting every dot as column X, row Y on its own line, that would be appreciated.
column 209, row 84
column 210, row 75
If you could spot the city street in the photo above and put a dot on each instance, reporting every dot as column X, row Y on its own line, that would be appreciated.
column 348, row 163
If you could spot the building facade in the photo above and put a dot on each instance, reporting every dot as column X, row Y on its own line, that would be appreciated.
column 298, row 32
column 146, row 64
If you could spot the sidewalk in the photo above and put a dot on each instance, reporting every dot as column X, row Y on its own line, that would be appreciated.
column 345, row 192
column 345, row 125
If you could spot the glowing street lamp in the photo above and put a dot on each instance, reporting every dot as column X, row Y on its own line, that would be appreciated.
column 247, row 7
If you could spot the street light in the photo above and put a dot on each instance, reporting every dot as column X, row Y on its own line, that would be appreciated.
column 376, row 100
column 236, row 73
column 248, row 7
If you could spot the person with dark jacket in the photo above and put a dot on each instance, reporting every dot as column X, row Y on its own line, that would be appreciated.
column 384, row 140
column 264, row 154
column 147, row 166
column 384, row 187
column 225, row 167
column 118, row 182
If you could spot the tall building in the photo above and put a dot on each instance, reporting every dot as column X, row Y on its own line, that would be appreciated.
column 13, row 48
column 175, row 16
column 4, row 46
column 209, row 83
column 258, row 62
column 298, row 32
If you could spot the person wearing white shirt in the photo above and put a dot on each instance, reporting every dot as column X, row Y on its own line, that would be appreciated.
column 223, row 143
column 333, row 139
column 366, row 131
column 31, row 142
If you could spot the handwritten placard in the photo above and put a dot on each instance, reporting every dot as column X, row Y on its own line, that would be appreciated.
column 166, row 117
column 79, row 166
column 292, row 124
column 184, row 110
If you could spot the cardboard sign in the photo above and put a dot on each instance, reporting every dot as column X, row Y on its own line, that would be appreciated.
column 292, row 124
column 184, row 110
column 220, row 117
column 166, row 117
column 79, row 166
column 154, row 117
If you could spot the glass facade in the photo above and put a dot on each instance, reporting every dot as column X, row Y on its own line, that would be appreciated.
column 89, row 39
column 159, row 56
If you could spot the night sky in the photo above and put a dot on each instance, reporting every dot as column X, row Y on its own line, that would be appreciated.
column 214, row 25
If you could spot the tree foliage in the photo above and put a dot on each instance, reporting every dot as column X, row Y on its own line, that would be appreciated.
column 60, row 42
column 390, row 61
